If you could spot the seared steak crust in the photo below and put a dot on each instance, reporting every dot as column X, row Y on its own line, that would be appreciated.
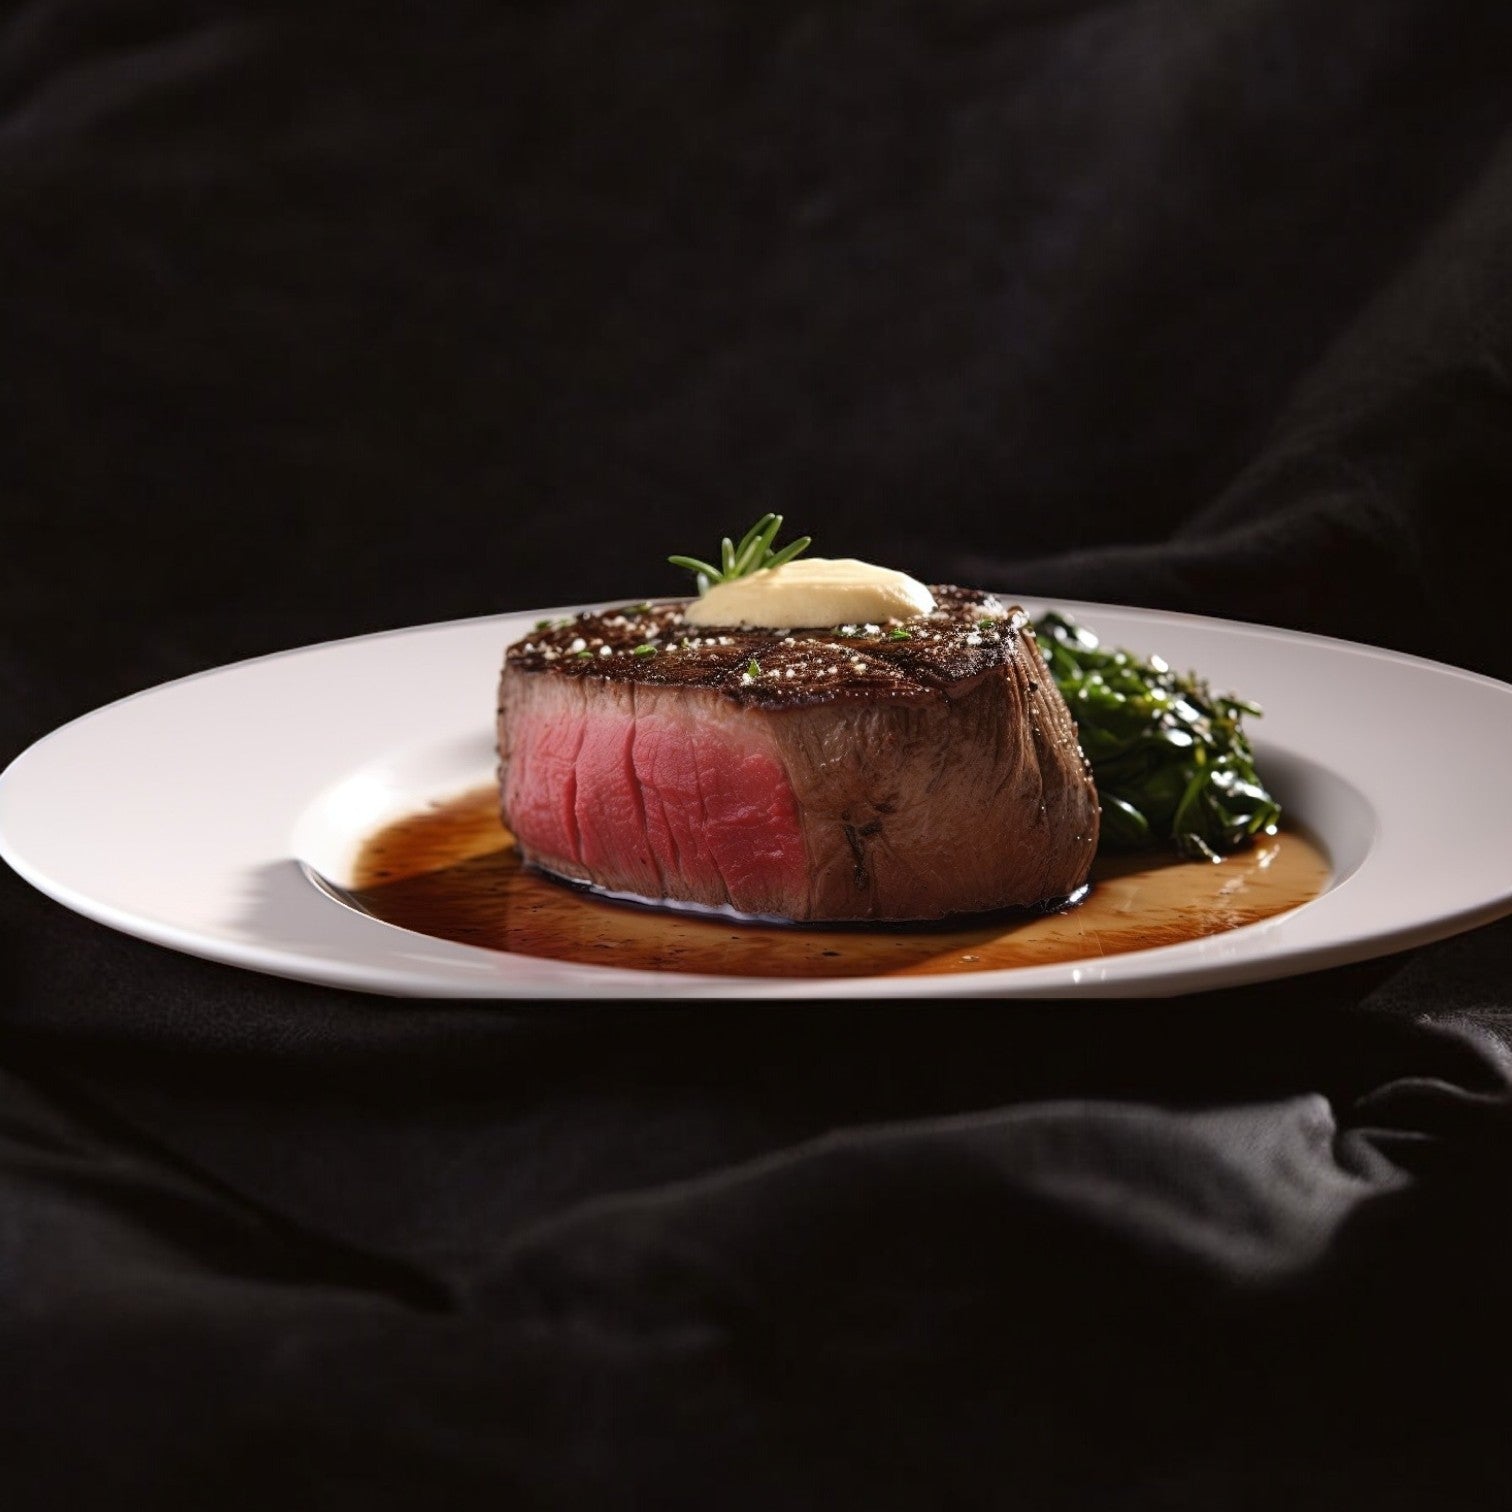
column 887, row 772
column 967, row 635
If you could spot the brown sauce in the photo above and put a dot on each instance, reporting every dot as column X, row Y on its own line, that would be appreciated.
column 452, row 871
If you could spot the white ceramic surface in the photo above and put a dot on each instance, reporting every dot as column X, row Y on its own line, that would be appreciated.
column 188, row 814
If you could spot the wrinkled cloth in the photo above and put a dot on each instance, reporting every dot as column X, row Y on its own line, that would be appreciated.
column 315, row 322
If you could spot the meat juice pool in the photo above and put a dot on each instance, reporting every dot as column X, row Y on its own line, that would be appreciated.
column 452, row 871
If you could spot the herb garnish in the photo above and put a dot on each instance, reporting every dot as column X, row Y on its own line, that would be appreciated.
column 644, row 651
column 753, row 668
column 899, row 633
column 1171, row 760
column 753, row 554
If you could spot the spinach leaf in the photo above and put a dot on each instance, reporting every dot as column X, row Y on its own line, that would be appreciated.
column 1171, row 760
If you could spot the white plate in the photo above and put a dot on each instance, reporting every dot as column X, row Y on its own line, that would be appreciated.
column 188, row 814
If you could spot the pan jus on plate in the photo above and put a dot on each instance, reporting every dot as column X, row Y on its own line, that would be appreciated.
column 806, row 741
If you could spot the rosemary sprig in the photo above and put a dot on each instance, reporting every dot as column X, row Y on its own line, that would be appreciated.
column 754, row 553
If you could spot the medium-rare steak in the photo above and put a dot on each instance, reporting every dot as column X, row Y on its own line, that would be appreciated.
column 888, row 772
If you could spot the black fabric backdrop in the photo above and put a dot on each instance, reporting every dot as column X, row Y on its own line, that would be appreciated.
column 317, row 321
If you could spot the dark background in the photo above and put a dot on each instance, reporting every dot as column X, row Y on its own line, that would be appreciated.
column 315, row 321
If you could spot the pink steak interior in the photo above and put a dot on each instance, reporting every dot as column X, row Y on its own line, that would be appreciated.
column 637, row 798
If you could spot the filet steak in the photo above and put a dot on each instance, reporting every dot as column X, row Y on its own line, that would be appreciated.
column 897, row 772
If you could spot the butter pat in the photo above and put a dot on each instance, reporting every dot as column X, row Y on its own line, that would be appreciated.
column 812, row 592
